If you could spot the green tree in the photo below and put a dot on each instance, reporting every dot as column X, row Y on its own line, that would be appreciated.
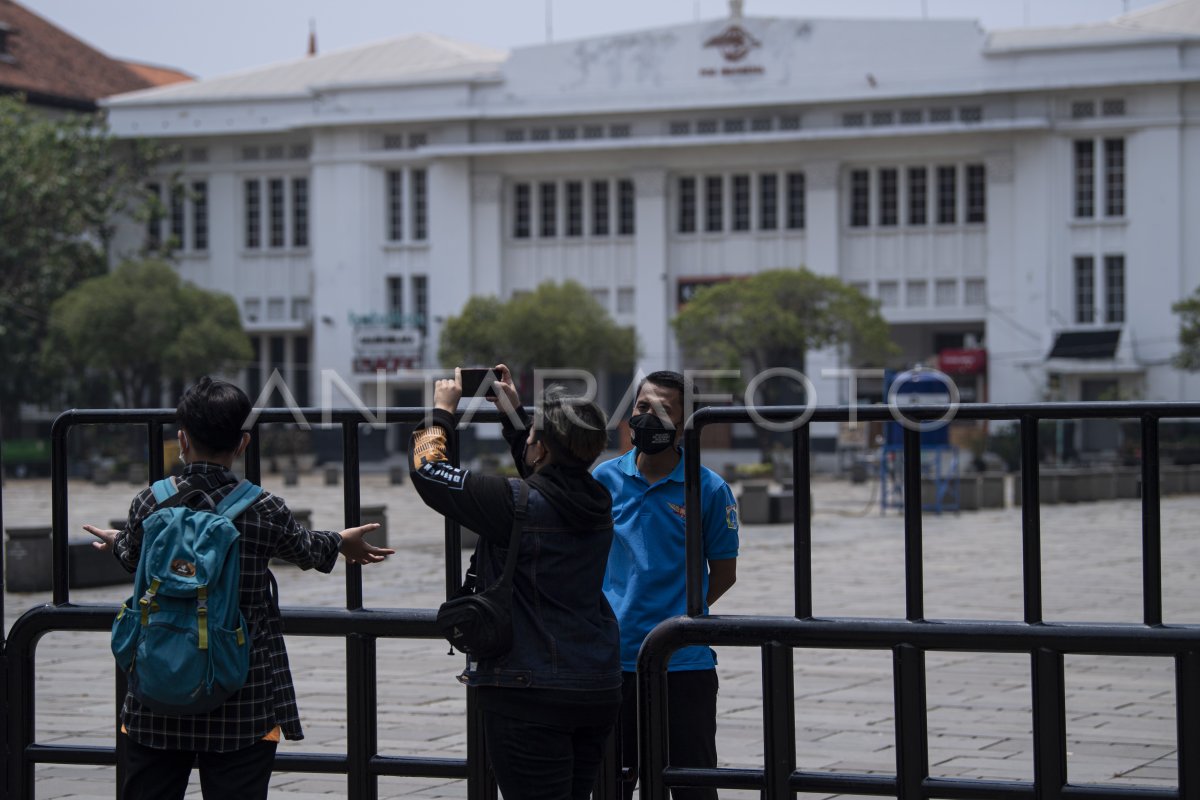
column 141, row 325
column 554, row 326
column 1188, row 309
column 63, row 181
column 774, row 318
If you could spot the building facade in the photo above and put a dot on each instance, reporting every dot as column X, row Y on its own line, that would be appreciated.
column 1021, row 203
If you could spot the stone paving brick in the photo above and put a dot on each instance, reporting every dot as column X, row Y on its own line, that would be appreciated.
column 1120, row 711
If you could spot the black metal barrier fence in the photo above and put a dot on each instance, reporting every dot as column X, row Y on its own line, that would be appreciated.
column 911, row 637
column 360, row 627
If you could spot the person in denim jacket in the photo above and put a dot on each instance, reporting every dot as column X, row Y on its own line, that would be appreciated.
column 550, row 703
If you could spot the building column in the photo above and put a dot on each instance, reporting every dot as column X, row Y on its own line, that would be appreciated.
column 451, row 220
column 487, row 226
column 1000, row 288
column 653, row 298
column 823, row 221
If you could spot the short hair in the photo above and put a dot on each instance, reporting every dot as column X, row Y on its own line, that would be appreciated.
column 574, row 430
column 668, row 379
column 213, row 413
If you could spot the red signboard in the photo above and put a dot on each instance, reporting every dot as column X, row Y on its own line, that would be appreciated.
column 962, row 361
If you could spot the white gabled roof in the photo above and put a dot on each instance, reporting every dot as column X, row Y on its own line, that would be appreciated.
column 1172, row 19
column 419, row 58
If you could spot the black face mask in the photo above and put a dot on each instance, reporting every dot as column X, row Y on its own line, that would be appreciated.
column 649, row 434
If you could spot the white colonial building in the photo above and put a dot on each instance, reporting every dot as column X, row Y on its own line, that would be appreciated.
column 1022, row 203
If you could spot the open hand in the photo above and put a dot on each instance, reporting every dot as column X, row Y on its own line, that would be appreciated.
column 358, row 550
column 106, row 536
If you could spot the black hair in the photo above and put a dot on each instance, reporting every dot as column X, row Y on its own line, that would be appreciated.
column 667, row 379
column 212, row 413
column 574, row 430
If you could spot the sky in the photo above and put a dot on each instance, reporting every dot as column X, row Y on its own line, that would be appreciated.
column 207, row 38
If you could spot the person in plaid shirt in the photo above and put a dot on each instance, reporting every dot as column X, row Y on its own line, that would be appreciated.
column 234, row 744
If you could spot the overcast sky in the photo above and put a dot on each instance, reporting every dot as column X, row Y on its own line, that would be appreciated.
column 215, row 37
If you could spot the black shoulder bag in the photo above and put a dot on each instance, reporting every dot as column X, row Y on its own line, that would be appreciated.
column 480, row 624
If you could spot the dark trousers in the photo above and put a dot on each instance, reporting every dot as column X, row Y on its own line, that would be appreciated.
column 691, row 728
column 152, row 774
column 538, row 761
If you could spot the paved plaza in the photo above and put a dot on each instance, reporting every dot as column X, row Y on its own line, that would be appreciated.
column 1120, row 711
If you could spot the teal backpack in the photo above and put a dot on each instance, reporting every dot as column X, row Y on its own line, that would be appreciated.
column 181, row 636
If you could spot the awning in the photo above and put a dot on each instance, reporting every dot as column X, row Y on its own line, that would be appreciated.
column 1097, row 344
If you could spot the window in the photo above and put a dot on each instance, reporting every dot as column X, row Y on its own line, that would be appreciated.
column 789, row 122
column 393, row 141
column 254, row 368
column 300, row 368
column 275, row 205
column 735, row 126
column 574, row 208
column 976, row 193
column 918, row 195
column 741, row 202
column 299, row 212
column 540, row 134
column 970, row 114
column 911, row 116
column 251, row 309
column 1085, row 290
column 761, row 124
column 795, row 201
column 706, row 126
column 1114, row 289
column 916, row 294
column 275, row 308
column 860, row 198
column 1114, row 177
column 714, row 208
column 395, row 190
column 687, row 205
column 945, row 293
column 154, row 220
column 619, row 131
column 889, row 199
column 177, row 216
column 883, row 117
column 417, row 140
column 853, row 119
column 567, row 133
column 889, row 294
column 514, row 135
column 1113, row 107
column 1083, row 109
column 768, row 202
column 420, row 204
column 200, row 216
column 679, row 128
column 975, row 292
column 625, row 298
column 593, row 131
column 947, row 178
column 625, row 208
column 1085, row 179
column 522, row 209
column 548, row 210
column 420, row 292
column 253, row 196
column 600, row 223
column 395, row 298
column 941, row 115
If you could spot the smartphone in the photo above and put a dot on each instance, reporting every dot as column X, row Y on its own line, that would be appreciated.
column 474, row 377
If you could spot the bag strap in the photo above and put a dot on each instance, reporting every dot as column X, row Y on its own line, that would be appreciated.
column 244, row 495
column 167, row 493
column 520, row 511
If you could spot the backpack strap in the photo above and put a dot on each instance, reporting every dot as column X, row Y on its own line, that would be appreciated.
column 163, row 489
column 244, row 495
column 520, row 511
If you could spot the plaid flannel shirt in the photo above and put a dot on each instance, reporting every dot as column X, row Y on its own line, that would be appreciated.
column 268, row 697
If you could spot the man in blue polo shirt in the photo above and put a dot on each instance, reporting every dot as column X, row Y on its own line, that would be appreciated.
column 645, row 581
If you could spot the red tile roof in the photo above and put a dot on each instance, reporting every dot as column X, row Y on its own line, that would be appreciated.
column 158, row 76
column 52, row 67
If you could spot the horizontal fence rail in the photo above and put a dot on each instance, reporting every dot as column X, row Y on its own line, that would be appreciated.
column 360, row 627
column 911, row 636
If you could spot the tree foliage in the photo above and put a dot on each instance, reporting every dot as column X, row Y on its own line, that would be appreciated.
column 774, row 318
column 554, row 326
column 63, row 181
column 139, row 325
column 1188, row 309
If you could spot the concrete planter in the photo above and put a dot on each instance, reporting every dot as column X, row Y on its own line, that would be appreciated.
column 754, row 505
column 397, row 473
column 332, row 476
column 28, row 559
column 991, row 490
column 1047, row 488
column 1127, row 483
column 369, row 514
column 1172, row 480
column 1074, row 486
column 781, row 510
column 1191, row 481
column 89, row 567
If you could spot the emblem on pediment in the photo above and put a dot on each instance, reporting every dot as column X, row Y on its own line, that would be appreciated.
column 735, row 43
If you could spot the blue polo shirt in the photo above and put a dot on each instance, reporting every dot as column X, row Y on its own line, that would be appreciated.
column 645, row 581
